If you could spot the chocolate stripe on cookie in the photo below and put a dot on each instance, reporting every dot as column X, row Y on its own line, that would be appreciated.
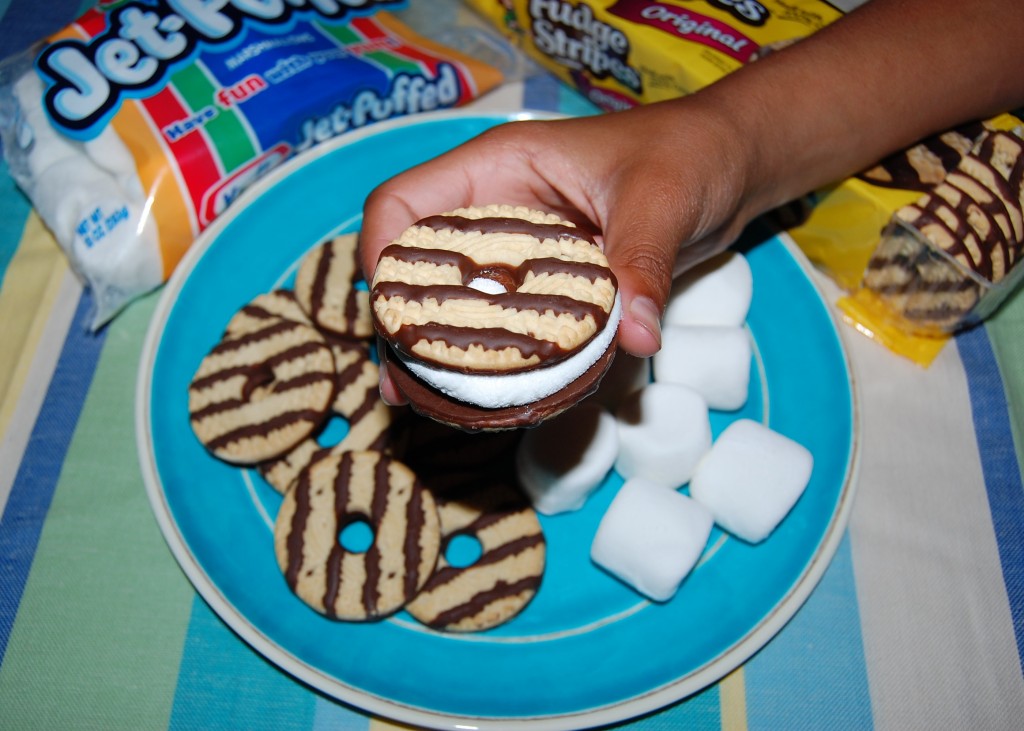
column 378, row 505
column 488, row 338
column 501, row 224
column 553, row 266
column 924, row 164
column 414, row 516
column 296, row 532
column 519, row 301
column 266, row 309
column 502, row 590
column 264, row 429
column 908, row 282
column 335, row 564
column 469, row 269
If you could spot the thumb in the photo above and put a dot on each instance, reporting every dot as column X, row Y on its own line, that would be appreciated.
column 642, row 239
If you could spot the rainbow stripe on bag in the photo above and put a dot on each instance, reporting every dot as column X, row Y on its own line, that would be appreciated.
column 227, row 111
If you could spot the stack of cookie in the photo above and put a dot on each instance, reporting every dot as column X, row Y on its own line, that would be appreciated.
column 287, row 363
column 946, row 261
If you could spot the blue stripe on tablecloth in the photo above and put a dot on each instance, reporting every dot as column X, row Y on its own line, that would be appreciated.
column 701, row 712
column 820, row 653
column 999, row 466
column 32, row 491
column 260, row 695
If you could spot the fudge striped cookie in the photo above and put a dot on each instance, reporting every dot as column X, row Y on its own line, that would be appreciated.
column 259, row 393
column 278, row 304
column 936, row 265
column 506, row 575
column 327, row 287
column 334, row 492
column 496, row 307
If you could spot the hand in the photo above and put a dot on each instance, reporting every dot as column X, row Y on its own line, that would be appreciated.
column 650, row 183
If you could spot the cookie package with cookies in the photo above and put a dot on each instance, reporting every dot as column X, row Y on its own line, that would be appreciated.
column 624, row 53
column 494, row 317
column 925, row 243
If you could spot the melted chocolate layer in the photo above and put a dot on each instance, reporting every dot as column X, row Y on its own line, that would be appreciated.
column 500, row 224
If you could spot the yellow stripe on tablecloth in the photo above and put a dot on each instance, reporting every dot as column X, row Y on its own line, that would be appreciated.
column 30, row 288
column 732, row 694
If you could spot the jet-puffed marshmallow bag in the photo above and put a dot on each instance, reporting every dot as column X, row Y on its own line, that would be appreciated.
column 137, row 125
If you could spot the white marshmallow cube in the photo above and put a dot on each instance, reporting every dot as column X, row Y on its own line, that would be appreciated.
column 651, row 538
column 751, row 479
column 664, row 431
column 712, row 360
column 715, row 292
column 564, row 459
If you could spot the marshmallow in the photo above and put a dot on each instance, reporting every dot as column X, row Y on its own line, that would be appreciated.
column 664, row 431
column 66, row 192
column 715, row 292
column 651, row 538
column 712, row 360
column 751, row 479
column 109, row 152
column 91, row 198
column 563, row 460
column 516, row 389
column 42, row 146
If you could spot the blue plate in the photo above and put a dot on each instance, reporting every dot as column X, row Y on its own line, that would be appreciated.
column 588, row 650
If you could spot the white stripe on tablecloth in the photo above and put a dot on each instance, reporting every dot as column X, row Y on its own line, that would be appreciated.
column 938, row 634
column 30, row 400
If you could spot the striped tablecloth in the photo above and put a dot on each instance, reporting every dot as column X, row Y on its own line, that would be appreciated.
column 917, row 624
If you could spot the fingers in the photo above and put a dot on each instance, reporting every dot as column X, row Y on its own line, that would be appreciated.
column 495, row 167
column 401, row 201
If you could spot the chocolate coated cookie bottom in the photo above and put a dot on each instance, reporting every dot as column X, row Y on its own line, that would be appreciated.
column 433, row 404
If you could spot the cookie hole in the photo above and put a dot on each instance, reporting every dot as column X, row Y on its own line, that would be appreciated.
column 333, row 431
column 491, row 280
column 260, row 380
column 462, row 550
column 356, row 537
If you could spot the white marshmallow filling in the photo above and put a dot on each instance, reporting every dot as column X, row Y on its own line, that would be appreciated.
column 498, row 391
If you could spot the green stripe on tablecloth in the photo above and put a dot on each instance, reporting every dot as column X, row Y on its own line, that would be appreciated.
column 225, row 684
column 90, row 649
column 1006, row 332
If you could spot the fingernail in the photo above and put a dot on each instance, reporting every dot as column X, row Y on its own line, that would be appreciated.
column 647, row 315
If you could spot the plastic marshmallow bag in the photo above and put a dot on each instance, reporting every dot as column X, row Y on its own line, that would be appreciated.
column 133, row 128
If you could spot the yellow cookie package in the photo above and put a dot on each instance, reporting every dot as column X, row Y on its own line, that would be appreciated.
column 924, row 244
column 621, row 53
